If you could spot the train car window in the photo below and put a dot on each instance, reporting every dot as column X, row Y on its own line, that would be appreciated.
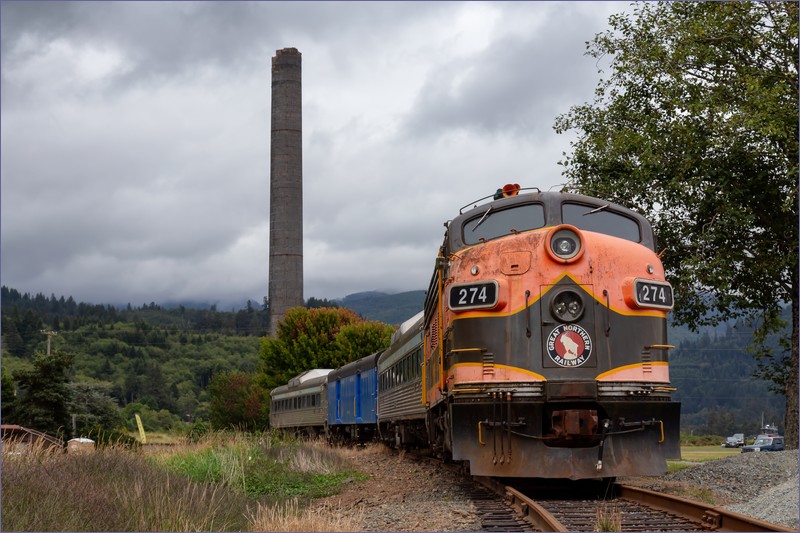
column 590, row 218
column 493, row 224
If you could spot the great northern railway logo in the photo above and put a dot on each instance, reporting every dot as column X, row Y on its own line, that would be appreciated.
column 569, row 345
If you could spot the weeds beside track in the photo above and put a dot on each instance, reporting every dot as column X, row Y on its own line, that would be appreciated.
column 226, row 482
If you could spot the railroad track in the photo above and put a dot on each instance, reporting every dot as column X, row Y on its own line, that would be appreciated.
column 624, row 508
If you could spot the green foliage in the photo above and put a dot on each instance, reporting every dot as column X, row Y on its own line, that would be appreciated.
column 8, row 399
column 237, row 401
column 318, row 338
column 702, row 440
column 160, row 360
column 696, row 125
column 152, row 420
column 362, row 338
column 276, row 469
column 198, row 431
column 71, row 315
column 713, row 374
column 44, row 395
column 93, row 407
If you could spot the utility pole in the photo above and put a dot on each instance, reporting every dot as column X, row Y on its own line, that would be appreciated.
column 49, row 334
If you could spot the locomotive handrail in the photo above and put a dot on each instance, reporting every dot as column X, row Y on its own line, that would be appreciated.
column 474, row 203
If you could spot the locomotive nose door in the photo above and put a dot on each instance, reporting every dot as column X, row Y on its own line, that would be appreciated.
column 568, row 330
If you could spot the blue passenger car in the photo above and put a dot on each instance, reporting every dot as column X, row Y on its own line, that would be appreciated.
column 353, row 400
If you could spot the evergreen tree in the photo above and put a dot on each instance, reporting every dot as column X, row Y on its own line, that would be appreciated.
column 7, row 396
column 44, row 395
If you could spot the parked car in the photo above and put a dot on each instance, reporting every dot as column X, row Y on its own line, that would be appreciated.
column 734, row 441
column 765, row 444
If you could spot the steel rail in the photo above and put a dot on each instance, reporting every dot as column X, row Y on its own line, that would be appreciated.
column 716, row 518
column 708, row 517
column 531, row 511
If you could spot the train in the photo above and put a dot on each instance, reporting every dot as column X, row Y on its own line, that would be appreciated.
column 541, row 350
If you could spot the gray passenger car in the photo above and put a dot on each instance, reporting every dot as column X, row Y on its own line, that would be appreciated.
column 301, row 405
column 401, row 410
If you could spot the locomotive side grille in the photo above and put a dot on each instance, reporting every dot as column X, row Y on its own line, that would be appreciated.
column 647, row 359
column 487, row 360
column 433, row 339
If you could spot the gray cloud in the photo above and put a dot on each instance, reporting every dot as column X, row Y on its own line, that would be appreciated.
column 135, row 136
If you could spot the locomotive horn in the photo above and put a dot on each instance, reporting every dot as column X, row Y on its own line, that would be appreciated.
column 511, row 189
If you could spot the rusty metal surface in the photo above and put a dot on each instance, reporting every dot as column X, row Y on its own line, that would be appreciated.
column 529, row 510
column 715, row 518
column 559, row 508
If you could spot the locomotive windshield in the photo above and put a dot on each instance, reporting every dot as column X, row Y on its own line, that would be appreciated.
column 591, row 218
column 496, row 223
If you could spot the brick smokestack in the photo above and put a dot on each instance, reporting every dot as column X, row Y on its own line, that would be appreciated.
column 286, row 187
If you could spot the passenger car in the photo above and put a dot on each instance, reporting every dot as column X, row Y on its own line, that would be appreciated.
column 734, row 441
column 765, row 444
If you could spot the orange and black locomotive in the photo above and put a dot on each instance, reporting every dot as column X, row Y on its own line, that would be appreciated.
column 545, row 350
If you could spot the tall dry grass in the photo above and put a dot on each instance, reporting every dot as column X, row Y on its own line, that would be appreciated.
column 289, row 516
column 608, row 517
column 109, row 489
column 226, row 482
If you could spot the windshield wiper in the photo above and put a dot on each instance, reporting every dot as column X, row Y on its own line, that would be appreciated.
column 486, row 214
column 595, row 210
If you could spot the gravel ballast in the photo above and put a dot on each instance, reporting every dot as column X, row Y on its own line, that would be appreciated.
column 406, row 494
column 762, row 485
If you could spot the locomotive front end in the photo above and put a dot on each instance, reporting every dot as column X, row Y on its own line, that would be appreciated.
column 545, row 341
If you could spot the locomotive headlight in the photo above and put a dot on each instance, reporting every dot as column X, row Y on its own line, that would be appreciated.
column 565, row 244
column 567, row 306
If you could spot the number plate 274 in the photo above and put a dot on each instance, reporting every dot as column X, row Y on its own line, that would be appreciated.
column 653, row 294
column 481, row 295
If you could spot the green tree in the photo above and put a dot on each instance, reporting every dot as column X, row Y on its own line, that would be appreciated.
column 359, row 339
column 152, row 420
column 8, row 397
column 236, row 400
column 12, row 340
column 93, row 407
column 43, row 402
column 696, row 125
column 318, row 338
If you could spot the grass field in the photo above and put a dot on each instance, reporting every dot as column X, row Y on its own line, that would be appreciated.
column 226, row 482
column 691, row 455
column 699, row 454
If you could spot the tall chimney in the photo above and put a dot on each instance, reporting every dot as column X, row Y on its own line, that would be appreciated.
column 286, row 188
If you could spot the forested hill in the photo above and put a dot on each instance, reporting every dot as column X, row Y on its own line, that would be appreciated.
column 165, row 358
column 60, row 313
column 714, row 376
column 388, row 308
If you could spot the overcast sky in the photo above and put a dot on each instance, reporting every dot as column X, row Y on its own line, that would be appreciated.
column 136, row 137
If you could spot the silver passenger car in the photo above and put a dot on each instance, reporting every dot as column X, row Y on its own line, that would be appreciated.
column 401, row 411
column 302, row 404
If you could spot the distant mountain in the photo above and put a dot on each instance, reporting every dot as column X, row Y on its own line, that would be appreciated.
column 388, row 308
